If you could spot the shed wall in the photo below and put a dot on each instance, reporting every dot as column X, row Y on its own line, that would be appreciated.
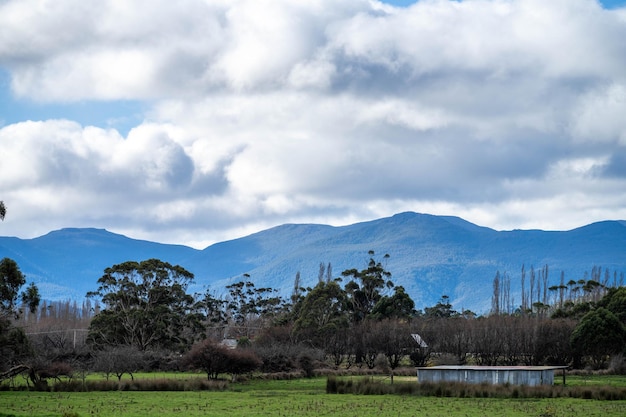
column 491, row 376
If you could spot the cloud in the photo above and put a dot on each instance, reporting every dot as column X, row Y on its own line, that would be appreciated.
column 598, row 114
column 263, row 112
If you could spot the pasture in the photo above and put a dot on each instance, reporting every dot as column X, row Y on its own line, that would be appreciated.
column 301, row 397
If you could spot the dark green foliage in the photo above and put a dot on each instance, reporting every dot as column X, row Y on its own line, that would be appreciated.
column 323, row 312
column 30, row 297
column 11, row 280
column 364, row 289
column 14, row 346
column 575, row 310
column 146, row 306
column 599, row 334
column 399, row 306
column 615, row 302
column 3, row 210
column 443, row 309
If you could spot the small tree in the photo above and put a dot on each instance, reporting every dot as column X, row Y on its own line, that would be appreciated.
column 209, row 357
column 242, row 361
column 118, row 360
column 3, row 210
column 215, row 359
column 393, row 340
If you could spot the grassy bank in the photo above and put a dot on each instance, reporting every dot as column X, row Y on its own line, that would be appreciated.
column 302, row 397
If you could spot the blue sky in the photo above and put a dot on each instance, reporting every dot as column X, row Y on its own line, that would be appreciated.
column 198, row 121
column 119, row 114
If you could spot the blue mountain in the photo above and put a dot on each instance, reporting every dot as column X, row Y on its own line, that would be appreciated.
column 430, row 256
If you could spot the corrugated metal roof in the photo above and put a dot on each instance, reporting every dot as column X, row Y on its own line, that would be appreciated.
column 494, row 368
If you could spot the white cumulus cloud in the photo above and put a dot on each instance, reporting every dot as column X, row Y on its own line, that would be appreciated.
column 260, row 112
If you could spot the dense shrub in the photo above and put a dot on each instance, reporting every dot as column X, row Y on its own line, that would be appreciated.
column 285, row 357
column 215, row 359
column 306, row 364
column 155, row 384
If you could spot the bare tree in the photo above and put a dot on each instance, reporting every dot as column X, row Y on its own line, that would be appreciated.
column 393, row 339
column 544, row 277
column 532, row 286
column 329, row 273
column 495, row 298
column 506, row 293
column 524, row 298
column 118, row 360
column 297, row 289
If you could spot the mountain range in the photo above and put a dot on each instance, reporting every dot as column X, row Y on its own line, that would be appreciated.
column 430, row 256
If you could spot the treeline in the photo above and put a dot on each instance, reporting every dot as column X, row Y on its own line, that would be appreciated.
column 142, row 317
column 540, row 296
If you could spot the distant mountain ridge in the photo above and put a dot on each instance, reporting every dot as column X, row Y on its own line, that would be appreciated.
column 429, row 255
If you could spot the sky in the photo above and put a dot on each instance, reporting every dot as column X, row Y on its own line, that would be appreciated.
column 199, row 121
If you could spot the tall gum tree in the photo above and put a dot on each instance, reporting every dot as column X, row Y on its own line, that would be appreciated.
column 365, row 287
column 145, row 305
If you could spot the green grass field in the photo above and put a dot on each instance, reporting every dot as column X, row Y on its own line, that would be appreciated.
column 304, row 397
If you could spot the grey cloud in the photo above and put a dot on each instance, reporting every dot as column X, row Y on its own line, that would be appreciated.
column 616, row 168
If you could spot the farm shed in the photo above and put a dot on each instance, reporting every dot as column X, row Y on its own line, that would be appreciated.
column 516, row 375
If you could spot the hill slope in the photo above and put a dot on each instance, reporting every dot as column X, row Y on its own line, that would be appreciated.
column 429, row 256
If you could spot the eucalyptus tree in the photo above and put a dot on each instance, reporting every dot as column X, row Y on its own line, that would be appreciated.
column 364, row 290
column 14, row 345
column 146, row 305
column 250, row 306
column 399, row 306
column 323, row 311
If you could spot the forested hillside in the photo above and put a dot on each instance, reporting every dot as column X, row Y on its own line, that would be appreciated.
column 430, row 256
